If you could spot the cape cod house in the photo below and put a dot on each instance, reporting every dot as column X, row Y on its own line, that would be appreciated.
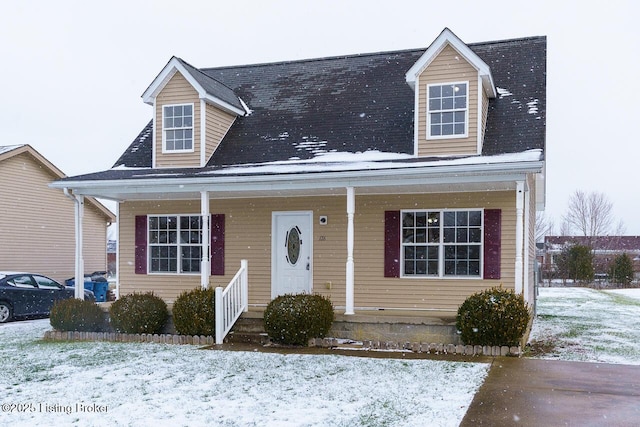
column 398, row 182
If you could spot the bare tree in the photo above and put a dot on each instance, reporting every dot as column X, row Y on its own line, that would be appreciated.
column 544, row 226
column 565, row 228
column 591, row 215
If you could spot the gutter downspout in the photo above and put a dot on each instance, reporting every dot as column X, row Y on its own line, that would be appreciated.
column 79, row 268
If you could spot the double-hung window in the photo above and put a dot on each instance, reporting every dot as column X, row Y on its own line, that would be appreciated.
column 441, row 243
column 177, row 123
column 175, row 243
column 447, row 112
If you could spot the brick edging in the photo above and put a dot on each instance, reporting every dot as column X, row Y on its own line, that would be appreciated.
column 120, row 337
column 416, row 347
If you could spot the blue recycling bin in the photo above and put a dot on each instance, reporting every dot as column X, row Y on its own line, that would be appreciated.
column 99, row 289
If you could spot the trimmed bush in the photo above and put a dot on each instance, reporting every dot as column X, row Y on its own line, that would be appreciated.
column 76, row 315
column 621, row 270
column 494, row 316
column 139, row 314
column 194, row 312
column 294, row 319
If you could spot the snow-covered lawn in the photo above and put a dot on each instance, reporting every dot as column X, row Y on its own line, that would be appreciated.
column 591, row 325
column 80, row 383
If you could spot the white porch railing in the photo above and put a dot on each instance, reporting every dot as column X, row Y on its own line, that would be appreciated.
column 231, row 302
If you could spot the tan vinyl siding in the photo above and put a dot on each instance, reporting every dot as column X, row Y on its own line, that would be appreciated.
column 448, row 66
column 37, row 223
column 248, row 236
column 177, row 91
column 217, row 124
column 485, row 112
column 375, row 291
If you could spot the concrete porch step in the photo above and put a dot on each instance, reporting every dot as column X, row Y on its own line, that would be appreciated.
column 258, row 338
column 248, row 329
column 249, row 324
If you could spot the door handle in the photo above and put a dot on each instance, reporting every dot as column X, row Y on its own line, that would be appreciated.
column 308, row 266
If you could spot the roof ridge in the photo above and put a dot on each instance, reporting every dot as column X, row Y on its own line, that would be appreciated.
column 357, row 55
column 308, row 60
column 503, row 41
column 206, row 75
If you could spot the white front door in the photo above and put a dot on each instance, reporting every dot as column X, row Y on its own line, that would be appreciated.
column 291, row 251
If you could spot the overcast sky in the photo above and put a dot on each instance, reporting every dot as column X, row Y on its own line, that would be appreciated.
column 73, row 72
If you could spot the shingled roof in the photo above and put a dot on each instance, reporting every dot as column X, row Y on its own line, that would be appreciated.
column 361, row 103
column 598, row 243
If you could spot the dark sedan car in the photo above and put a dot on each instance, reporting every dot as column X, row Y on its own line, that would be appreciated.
column 27, row 295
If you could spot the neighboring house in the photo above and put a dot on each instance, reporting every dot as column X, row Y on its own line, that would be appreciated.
column 402, row 181
column 37, row 229
column 604, row 248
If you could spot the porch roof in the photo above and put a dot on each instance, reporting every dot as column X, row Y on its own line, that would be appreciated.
column 370, row 173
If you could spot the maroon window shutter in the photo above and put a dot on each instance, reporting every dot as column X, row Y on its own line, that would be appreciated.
column 141, row 244
column 492, row 243
column 217, row 245
column 392, row 244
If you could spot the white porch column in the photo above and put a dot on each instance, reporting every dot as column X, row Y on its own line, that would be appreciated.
column 351, row 208
column 519, row 235
column 205, row 269
column 527, row 247
column 79, row 248
column 78, row 204
column 117, row 250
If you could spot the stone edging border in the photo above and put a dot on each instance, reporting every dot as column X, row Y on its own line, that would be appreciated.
column 415, row 347
column 120, row 337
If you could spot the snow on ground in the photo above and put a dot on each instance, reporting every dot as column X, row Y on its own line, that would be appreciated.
column 589, row 325
column 100, row 384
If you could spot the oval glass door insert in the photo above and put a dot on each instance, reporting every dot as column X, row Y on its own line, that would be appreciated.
column 293, row 245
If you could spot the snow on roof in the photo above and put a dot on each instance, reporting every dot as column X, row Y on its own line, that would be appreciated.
column 337, row 161
column 7, row 148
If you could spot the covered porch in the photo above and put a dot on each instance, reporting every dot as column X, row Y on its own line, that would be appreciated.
column 351, row 194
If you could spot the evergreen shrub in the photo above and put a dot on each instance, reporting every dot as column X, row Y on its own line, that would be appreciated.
column 76, row 315
column 194, row 312
column 139, row 314
column 493, row 317
column 293, row 319
column 621, row 270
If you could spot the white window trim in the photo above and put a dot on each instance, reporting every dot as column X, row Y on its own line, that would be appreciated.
column 466, row 109
column 149, row 246
column 441, row 275
column 193, row 130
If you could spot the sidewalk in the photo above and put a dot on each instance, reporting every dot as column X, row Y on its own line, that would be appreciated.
column 532, row 392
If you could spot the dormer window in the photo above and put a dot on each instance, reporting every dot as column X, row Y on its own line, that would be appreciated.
column 177, row 123
column 447, row 112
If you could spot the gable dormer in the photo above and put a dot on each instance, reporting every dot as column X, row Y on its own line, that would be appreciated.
column 452, row 87
column 192, row 113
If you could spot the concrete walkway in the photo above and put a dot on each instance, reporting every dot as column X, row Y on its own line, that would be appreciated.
column 532, row 392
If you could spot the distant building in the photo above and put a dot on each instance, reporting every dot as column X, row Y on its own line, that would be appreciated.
column 605, row 249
